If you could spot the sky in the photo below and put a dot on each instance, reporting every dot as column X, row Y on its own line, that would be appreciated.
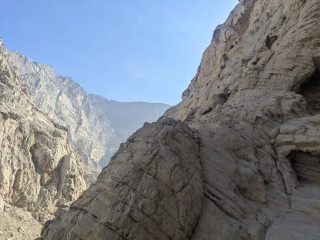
column 124, row 50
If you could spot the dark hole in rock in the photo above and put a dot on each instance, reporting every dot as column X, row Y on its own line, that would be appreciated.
column 220, row 98
column 224, row 96
column 207, row 111
column 225, row 57
column 256, row 61
column 311, row 92
column 244, row 62
column 306, row 166
column 270, row 41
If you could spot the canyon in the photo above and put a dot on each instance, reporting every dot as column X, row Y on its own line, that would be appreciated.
column 254, row 108
column 237, row 158
column 96, row 126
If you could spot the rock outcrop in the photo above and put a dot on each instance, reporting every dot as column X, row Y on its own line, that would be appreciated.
column 39, row 170
column 152, row 189
column 96, row 125
column 255, row 103
column 68, row 104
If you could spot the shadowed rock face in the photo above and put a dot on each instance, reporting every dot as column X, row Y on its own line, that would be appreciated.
column 39, row 170
column 254, row 103
column 152, row 189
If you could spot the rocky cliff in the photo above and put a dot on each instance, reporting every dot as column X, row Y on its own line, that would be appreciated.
column 96, row 125
column 39, row 169
column 255, row 105
column 68, row 104
column 152, row 189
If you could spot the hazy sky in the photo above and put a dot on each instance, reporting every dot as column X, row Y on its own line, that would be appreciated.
column 125, row 50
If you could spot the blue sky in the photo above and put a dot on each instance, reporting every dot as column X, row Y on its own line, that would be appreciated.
column 124, row 50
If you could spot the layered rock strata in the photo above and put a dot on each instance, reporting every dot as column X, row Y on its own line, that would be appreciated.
column 255, row 104
column 39, row 170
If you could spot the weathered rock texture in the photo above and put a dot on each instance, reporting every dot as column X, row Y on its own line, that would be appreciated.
column 17, row 224
column 255, row 102
column 152, row 189
column 96, row 125
column 39, row 170
column 68, row 104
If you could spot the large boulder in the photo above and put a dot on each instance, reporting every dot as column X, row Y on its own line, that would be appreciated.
column 152, row 189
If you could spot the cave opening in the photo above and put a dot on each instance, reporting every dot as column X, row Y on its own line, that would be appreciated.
column 306, row 166
column 311, row 92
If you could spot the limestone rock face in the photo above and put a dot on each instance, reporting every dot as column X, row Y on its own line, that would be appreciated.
column 255, row 103
column 18, row 224
column 39, row 170
column 96, row 125
column 68, row 104
column 152, row 189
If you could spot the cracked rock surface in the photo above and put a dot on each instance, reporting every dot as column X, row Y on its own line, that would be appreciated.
column 152, row 189
column 255, row 104
column 39, row 170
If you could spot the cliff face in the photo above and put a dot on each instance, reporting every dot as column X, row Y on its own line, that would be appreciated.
column 96, row 125
column 39, row 170
column 152, row 189
column 255, row 103
column 68, row 104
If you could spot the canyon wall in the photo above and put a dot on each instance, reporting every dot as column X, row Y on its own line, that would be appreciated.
column 68, row 104
column 253, row 109
column 39, row 169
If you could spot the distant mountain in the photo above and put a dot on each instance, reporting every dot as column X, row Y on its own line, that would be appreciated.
column 125, row 117
column 96, row 125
